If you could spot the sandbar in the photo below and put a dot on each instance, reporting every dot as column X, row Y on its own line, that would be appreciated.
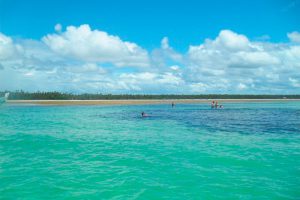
column 142, row 102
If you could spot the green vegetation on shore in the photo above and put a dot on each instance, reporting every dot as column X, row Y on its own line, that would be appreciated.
column 21, row 95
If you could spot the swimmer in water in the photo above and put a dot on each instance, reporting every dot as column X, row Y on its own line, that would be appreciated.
column 144, row 114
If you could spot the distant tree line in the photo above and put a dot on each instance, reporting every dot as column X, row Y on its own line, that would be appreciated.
column 21, row 95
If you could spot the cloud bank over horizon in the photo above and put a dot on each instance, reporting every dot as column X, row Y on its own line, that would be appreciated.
column 80, row 59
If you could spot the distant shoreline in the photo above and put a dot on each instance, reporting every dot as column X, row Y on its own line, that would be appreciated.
column 142, row 102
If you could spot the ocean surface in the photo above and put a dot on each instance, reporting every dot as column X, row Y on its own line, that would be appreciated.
column 244, row 151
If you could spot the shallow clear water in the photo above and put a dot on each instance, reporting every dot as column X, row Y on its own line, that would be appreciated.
column 245, row 151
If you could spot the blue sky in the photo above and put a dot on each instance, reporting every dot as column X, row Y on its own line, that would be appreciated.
column 146, row 22
column 177, row 44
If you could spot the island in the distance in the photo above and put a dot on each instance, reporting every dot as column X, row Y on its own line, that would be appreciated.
column 58, row 98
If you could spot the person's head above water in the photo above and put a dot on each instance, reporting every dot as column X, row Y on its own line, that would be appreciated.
column 144, row 114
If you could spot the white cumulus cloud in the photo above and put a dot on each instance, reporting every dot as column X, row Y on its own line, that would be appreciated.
column 88, row 45
column 239, row 63
column 294, row 36
column 58, row 27
column 7, row 48
column 80, row 59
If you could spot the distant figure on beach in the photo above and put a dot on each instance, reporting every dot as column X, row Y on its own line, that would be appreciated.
column 173, row 104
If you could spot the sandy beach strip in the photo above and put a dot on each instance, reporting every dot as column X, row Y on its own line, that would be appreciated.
column 142, row 102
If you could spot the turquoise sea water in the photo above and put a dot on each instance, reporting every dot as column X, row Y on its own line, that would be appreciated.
column 244, row 151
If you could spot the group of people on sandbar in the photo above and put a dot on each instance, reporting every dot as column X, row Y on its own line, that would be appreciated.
column 214, row 104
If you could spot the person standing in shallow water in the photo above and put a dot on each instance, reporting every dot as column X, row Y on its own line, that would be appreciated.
column 173, row 104
column 216, row 104
column 212, row 104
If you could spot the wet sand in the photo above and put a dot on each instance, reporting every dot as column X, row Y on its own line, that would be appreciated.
column 142, row 102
